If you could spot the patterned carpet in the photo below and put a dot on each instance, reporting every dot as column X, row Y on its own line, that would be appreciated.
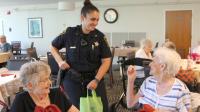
column 116, row 91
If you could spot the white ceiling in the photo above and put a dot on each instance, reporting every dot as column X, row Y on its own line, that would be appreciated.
column 7, row 3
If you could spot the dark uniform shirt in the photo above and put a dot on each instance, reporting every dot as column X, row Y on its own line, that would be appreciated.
column 83, row 51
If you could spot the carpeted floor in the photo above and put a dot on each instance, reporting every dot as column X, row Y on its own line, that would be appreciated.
column 115, row 92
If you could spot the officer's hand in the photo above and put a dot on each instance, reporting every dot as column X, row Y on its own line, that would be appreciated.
column 63, row 65
column 131, row 72
column 92, row 85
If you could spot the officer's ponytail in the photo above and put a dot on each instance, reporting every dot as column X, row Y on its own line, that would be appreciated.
column 88, row 7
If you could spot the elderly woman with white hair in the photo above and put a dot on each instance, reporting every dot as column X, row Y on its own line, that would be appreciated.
column 38, row 96
column 162, row 91
column 145, row 53
column 4, row 46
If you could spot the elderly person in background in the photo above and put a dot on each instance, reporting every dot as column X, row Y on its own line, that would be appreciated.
column 162, row 91
column 197, row 48
column 4, row 46
column 170, row 45
column 35, row 77
column 144, row 52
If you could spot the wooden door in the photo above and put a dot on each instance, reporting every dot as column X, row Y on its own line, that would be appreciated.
column 178, row 30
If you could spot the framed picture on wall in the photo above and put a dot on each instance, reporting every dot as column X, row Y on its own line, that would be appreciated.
column 35, row 27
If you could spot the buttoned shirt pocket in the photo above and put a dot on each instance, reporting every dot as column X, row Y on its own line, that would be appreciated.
column 72, row 54
column 95, row 53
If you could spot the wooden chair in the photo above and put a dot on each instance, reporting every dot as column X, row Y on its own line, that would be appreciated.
column 32, row 53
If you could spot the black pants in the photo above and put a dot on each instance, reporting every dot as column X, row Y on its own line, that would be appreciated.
column 76, row 89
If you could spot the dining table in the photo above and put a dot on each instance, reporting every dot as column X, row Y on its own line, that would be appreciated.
column 4, row 57
column 9, row 84
column 125, row 51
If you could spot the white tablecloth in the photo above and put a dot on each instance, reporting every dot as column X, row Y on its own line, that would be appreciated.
column 124, row 52
column 7, row 79
column 9, row 85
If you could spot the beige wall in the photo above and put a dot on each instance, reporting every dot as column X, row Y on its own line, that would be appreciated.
column 149, row 19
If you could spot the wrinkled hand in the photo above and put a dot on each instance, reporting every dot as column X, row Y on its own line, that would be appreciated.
column 63, row 65
column 131, row 72
column 92, row 85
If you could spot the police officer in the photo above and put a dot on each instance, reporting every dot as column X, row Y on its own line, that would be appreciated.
column 88, row 57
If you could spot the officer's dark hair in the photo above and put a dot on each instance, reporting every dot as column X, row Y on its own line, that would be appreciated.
column 88, row 7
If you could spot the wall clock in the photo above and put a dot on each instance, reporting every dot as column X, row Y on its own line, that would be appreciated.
column 111, row 15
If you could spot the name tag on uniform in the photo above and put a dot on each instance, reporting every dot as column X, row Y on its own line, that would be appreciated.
column 72, row 47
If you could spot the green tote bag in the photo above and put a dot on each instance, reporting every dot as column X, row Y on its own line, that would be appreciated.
column 91, row 103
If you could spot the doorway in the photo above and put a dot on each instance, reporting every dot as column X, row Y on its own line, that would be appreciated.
column 178, row 30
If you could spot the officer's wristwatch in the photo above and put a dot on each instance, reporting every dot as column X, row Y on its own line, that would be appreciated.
column 97, row 80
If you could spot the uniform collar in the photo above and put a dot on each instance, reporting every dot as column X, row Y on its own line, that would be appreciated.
column 80, row 32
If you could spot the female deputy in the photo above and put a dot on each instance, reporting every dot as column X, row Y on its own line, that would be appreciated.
column 87, row 56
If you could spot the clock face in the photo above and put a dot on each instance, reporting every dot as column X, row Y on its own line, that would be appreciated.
column 110, row 15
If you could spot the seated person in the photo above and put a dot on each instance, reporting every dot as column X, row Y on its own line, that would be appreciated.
column 170, row 45
column 197, row 48
column 35, row 78
column 195, row 54
column 162, row 91
column 4, row 46
column 144, row 52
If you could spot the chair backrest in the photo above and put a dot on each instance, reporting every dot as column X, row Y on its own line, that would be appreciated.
column 63, row 55
column 16, row 47
column 156, row 46
column 16, row 62
column 32, row 44
column 20, row 56
column 52, row 63
column 113, row 53
column 130, row 43
column 16, row 44
column 139, row 62
column 32, row 53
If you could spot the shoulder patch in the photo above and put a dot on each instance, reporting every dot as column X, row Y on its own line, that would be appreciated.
column 64, row 31
column 106, row 41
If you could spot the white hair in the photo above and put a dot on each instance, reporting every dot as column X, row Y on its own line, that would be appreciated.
column 170, row 58
column 145, row 42
column 169, row 45
column 30, row 72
